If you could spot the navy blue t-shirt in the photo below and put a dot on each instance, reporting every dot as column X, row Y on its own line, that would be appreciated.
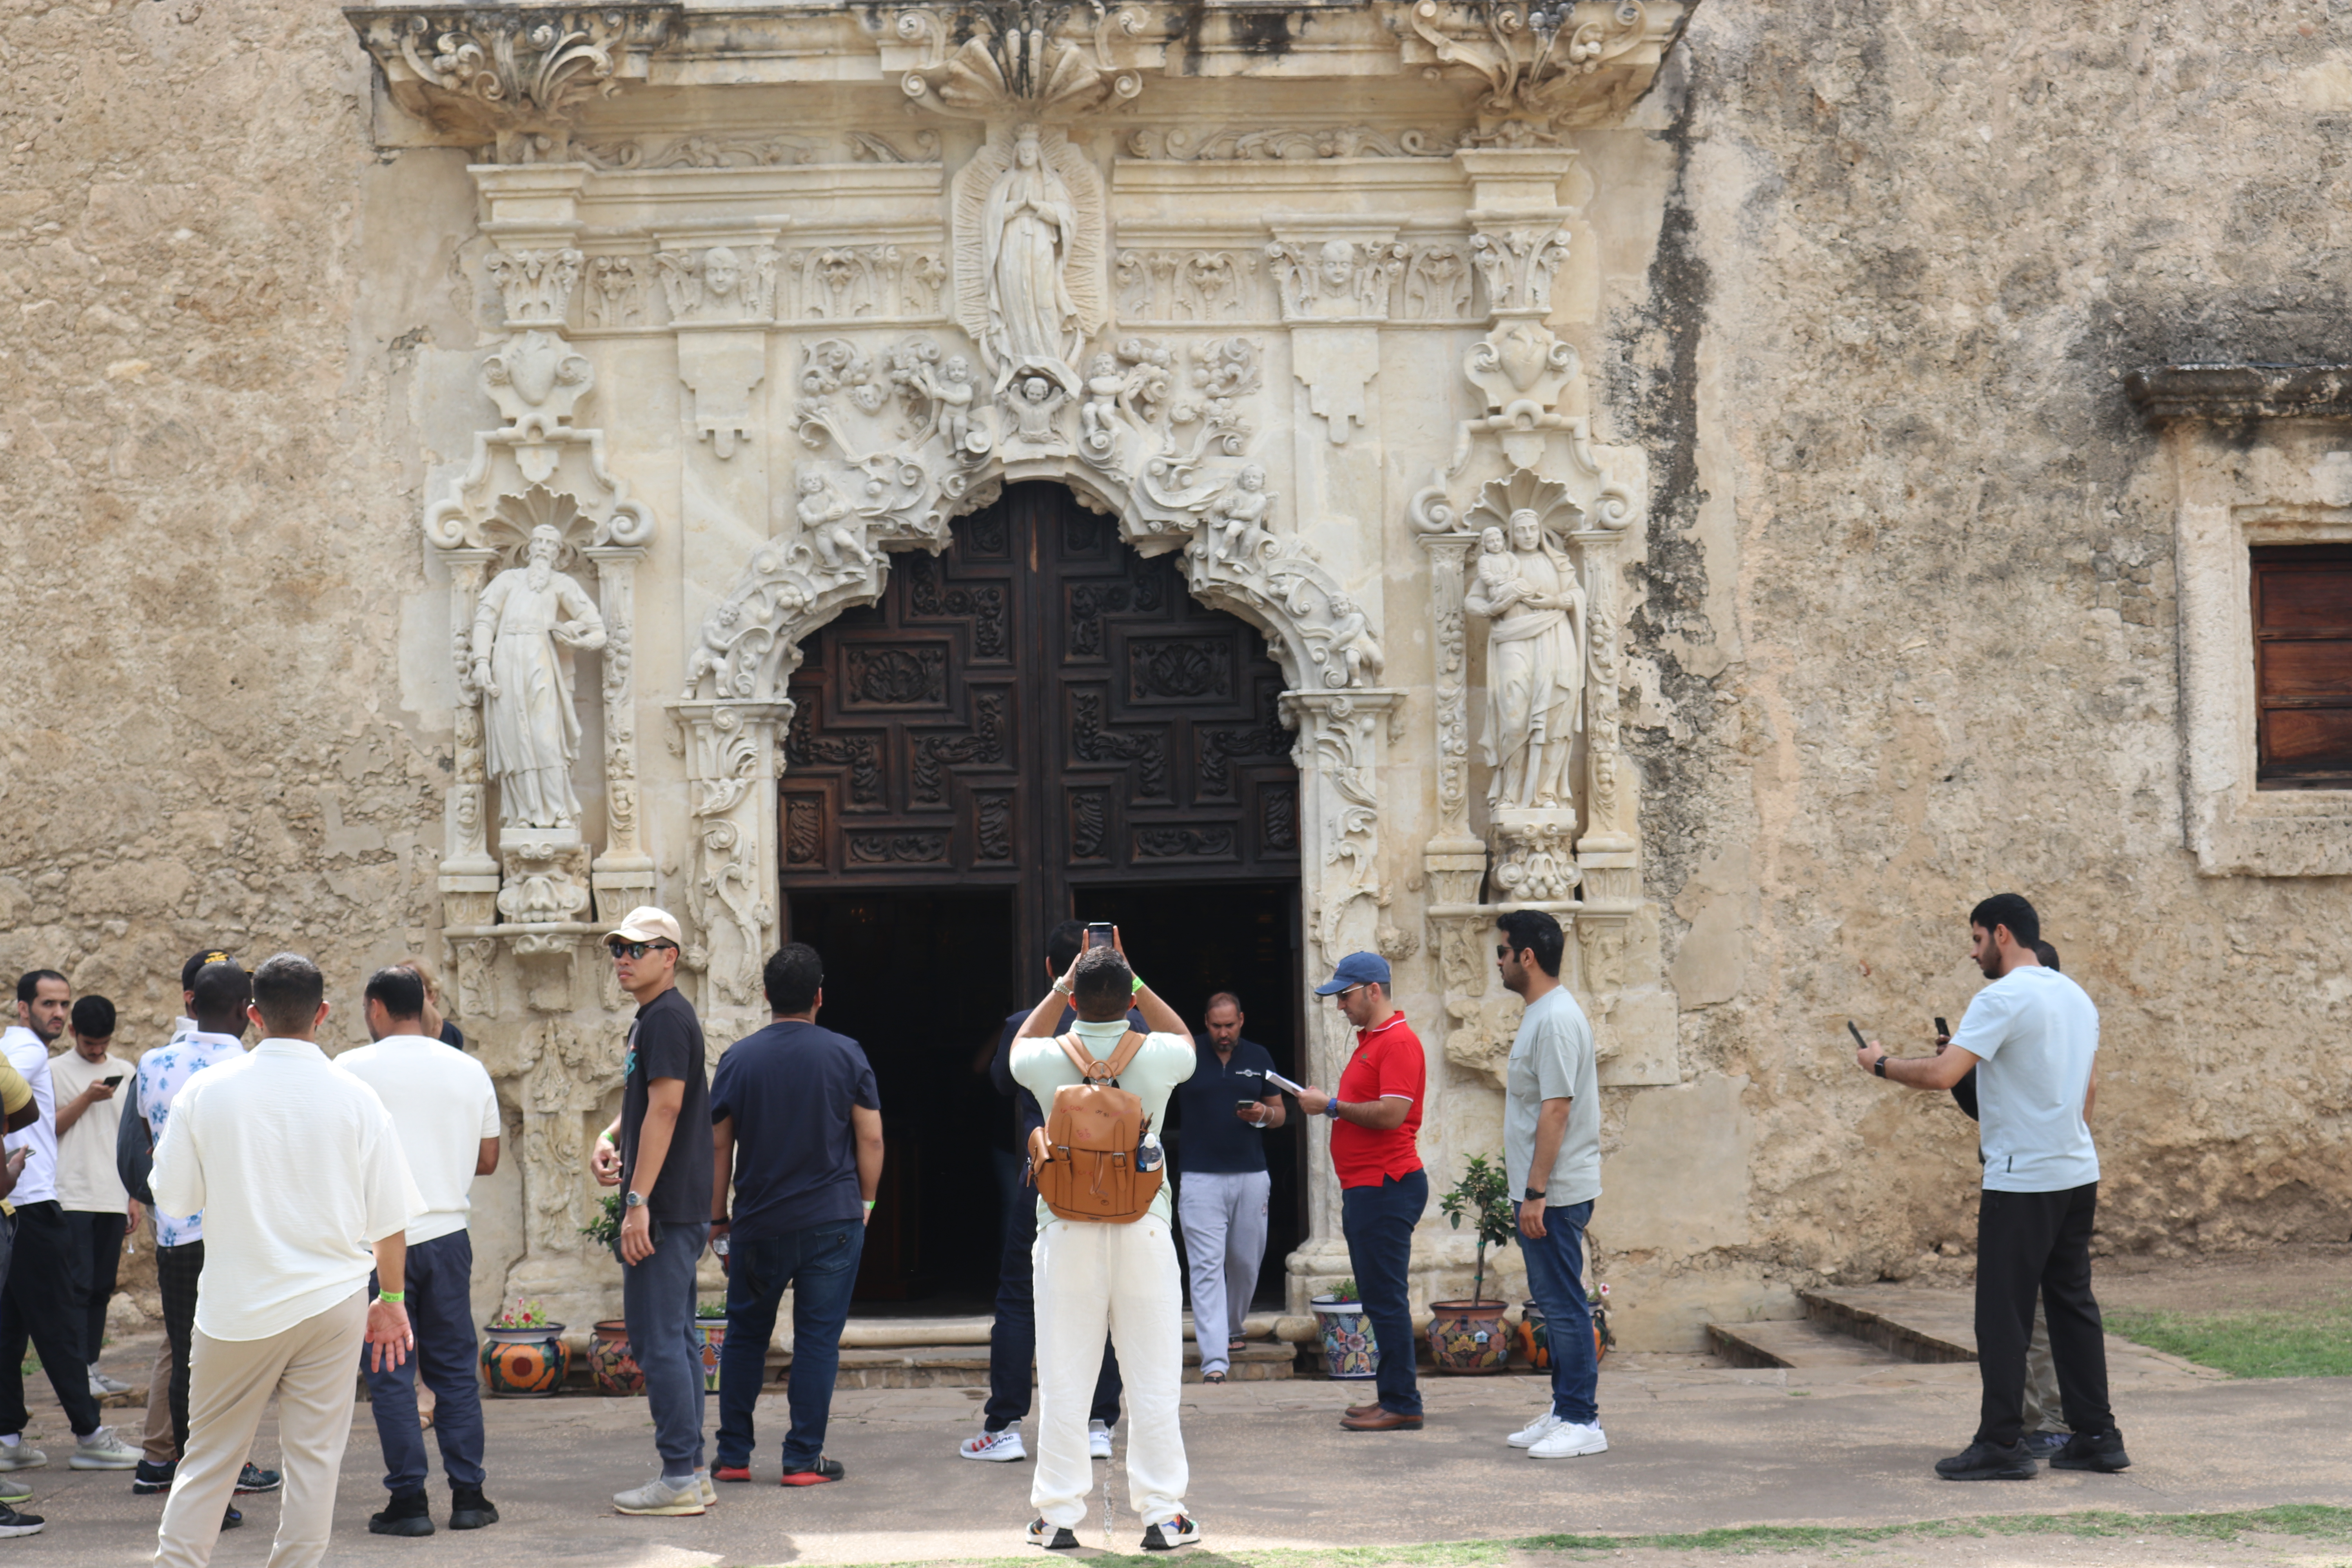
column 1215, row 1140
column 788, row 1089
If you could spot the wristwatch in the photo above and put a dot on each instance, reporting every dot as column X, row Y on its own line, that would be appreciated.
column 1879, row 1066
column 1532, row 1195
column 634, row 1200
column 1331, row 1107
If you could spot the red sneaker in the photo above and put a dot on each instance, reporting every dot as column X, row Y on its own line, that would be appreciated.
column 817, row 1474
column 732, row 1473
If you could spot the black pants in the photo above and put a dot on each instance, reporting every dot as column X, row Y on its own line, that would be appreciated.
column 39, row 1304
column 2030, row 1244
column 176, row 1272
column 1012, row 1340
column 96, row 1255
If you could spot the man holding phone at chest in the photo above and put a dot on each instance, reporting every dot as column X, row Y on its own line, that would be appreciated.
column 2033, row 1035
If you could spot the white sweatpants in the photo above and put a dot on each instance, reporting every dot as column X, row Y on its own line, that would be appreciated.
column 1122, row 1278
column 1223, row 1217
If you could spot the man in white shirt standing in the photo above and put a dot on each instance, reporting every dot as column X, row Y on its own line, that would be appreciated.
column 1093, row 1276
column 98, row 1212
column 37, row 1303
column 1551, row 1156
column 2033, row 1037
column 447, row 1112
column 299, row 1173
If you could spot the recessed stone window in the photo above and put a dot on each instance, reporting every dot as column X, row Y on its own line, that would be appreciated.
column 2302, row 613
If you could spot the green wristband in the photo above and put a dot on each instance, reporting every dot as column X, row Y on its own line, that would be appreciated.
column 396, row 1298
column 1139, row 987
column 869, row 1205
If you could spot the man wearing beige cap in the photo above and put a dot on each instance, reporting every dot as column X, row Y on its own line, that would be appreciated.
column 658, row 1151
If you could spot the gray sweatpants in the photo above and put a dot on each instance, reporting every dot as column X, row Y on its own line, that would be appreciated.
column 1223, row 1217
column 2043, row 1410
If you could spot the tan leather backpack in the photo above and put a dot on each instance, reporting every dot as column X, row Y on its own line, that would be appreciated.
column 1083, row 1159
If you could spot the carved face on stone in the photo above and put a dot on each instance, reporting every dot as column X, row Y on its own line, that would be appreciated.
column 1250, row 477
column 1526, row 530
column 957, row 369
column 811, row 483
column 1025, row 152
column 1492, row 542
column 1103, row 367
column 545, row 542
column 1036, row 389
column 1338, row 265
column 720, row 271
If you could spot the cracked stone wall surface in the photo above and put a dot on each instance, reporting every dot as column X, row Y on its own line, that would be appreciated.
column 1906, row 632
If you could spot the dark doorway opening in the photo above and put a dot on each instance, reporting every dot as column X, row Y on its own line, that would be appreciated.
column 1193, row 941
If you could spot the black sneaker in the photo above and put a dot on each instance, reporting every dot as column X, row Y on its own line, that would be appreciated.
column 150, row 1477
column 469, row 1509
column 405, row 1514
column 1052, row 1537
column 1984, row 1462
column 2045, row 1446
column 231, row 1519
column 2101, row 1451
column 254, row 1479
column 814, row 1475
column 1168, row 1536
column 15, row 1523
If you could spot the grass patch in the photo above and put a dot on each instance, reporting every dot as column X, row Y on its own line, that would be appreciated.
column 2312, row 1341
column 2312, row 1522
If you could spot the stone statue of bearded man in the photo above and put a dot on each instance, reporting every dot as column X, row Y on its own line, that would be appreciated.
column 526, row 626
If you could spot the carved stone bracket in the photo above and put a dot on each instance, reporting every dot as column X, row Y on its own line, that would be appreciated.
column 1546, row 63
column 1045, row 59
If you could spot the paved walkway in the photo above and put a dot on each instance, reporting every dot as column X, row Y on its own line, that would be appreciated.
column 1696, row 1445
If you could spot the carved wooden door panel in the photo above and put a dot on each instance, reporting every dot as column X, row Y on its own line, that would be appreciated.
column 1037, row 708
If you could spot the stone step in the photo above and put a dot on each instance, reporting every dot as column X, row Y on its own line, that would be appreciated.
column 966, row 1366
column 877, row 1333
column 1914, row 1324
column 1794, row 1343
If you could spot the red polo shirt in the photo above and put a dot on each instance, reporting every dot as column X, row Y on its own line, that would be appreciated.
column 1388, row 1063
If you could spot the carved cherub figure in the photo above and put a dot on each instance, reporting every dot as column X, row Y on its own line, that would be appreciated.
column 1497, row 586
column 1353, row 651
column 823, row 515
column 953, row 394
column 1237, row 518
column 1038, row 408
column 1104, row 386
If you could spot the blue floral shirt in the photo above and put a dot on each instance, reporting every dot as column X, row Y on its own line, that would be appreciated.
column 163, row 1073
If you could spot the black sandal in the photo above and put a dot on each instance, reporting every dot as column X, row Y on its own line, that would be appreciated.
column 1213, row 1378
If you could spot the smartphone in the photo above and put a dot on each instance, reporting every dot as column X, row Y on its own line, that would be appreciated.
column 1943, row 1030
column 1246, row 1104
column 113, row 1082
column 1860, row 1043
column 1099, row 934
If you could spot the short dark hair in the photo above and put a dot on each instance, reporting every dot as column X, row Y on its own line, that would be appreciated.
column 93, row 1019
column 29, row 984
column 401, row 990
column 793, row 976
column 1222, row 999
column 2008, row 910
column 1101, row 981
column 197, row 961
column 2048, row 955
column 1532, row 931
column 287, row 991
column 1063, row 945
column 217, row 998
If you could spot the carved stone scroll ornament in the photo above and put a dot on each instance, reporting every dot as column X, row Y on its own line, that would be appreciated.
column 513, row 75
column 731, row 752
column 1235, row 144
column 1547, row 62
column 535, row 286
column 1047, row 60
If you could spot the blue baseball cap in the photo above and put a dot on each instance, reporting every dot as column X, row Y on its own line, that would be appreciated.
column 1355, row 969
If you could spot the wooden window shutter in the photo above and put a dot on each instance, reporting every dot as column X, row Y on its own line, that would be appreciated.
column 2302, row 666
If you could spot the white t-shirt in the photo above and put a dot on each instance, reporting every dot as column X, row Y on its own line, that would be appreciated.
column 443, row 1106
column 2036, row 1032
column 87, row 1179
column 1040, row 1065
column 28, row 1056
column 297, row 1170
column 1552, row 1058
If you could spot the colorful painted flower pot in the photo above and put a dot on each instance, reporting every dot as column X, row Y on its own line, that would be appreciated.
column 617, row 1375
column 711, row 1334
column 524, row 1363
column 1535, row 1336
column 1468, row 1336
column 1349, row 1347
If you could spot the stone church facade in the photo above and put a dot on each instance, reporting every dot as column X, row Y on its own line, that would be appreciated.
column 538, row 460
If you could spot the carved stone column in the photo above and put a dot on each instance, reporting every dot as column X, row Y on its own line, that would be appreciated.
column 622, row 876
column 734, row 753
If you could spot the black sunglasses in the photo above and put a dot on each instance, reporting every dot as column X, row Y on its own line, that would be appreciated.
column 635, row 949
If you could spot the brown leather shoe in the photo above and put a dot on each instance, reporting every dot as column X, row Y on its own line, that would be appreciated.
column 1381, row 1420
column 1362, row 1410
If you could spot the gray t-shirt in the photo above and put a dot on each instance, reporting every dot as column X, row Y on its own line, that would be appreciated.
column 1162, row 1062
column 1552, row 1058
column 2036, row 1034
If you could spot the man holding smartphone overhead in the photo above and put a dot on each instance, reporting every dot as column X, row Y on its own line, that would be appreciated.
column 2033, row 1037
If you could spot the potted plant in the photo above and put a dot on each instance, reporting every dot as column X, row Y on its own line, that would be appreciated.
column 604, row 1230
column 1535, row 1337
column 710, row 1332
column 1467, row 1336
column 523, row 1354
column 1349, row 1350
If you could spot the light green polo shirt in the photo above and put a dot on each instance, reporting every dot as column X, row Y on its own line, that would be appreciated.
column 1163, row 1061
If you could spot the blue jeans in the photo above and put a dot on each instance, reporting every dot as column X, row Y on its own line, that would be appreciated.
column 1378, row 1223
column 658, row 1303
column 820, row 1264
column 1556, row 1277
column 439, row 1277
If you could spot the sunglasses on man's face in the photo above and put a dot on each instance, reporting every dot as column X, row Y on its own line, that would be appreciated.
column 634, row 948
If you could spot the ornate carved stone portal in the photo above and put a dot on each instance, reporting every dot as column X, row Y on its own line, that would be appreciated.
column 815, row 285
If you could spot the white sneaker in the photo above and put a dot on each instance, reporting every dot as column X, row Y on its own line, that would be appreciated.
column 101, row 1385
column 102, row 1450
column 702, row 1484
column 1567, row 1440
column 1536, row 1431
column 21, row 1456
column 659, row 1497
column 1099, row 1439
column 1001, row 1447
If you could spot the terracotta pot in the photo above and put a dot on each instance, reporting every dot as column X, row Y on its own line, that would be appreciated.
column 1535, row 1338
column 524, row 1363
column 1349, row 1351
column 609, row 1363
column 1469, row 1336
column 710, row 1333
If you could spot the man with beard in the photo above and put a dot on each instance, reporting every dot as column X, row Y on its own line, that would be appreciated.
column 526, row 624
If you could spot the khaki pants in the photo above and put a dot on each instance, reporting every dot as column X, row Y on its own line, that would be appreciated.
column 159, row 1449
column 309, row 1370
column 2044, row 1411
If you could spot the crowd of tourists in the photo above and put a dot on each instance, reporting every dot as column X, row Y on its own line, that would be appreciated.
column 309, row 1216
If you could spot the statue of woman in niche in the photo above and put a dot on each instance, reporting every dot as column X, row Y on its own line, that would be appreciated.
column 1527, row 593
column 1026, row 232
